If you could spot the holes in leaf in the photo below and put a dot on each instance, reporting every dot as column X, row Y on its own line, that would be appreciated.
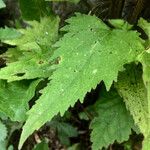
column 41, row 62
column 20, row 74
column 57, row 61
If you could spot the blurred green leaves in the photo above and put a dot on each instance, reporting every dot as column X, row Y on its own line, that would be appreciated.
column 2, row 4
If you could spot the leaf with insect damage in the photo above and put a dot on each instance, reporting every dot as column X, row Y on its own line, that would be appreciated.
column 89, row 52
column 31, row 58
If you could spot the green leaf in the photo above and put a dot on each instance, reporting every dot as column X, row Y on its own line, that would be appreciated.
column 146, row 143
column 64, row 131
column 112, row 123
column 2, row 4
column 121, row 24
column 145, row 60
column 131, row 87
column 9, row 33
column 33, row 9
column 10, row 147
column 74, row 147
column 30, row 66
column 14, row 98
column 85, row 114
column 89, row 53
column 145, row 25
column 31, row 58
column 11, row 55
column 3, row 132
column 3, row 145
column 42, row 146
column 43, row 33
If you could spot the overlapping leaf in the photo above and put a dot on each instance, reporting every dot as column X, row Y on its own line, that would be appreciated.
column 113, row 122
column 43, row 33
column 11, row 55
column 145, row 25
column 89, row 53
column 28, row 67
column 42, row 146
column 14, row 98
column 9, row 33
column 64, row 131
column 3, row 131
column 34, row 49
column 144, row 58
column 2, row 4
column 131, row 87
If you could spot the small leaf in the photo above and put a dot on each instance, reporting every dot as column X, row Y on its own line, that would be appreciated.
column 2, row 4
column 3, row 132
column 9, row 33
column 3, row 145
column 145, row 61
column 112, row 123
column 43, row 33
column 42, row 146
column 31, row 58
column 145, row 25
column 14, row 98
column 64, row 131
column 11, row 55
column 120, row 24
column 131, row 87
column 31, row 66
column 75, row 147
